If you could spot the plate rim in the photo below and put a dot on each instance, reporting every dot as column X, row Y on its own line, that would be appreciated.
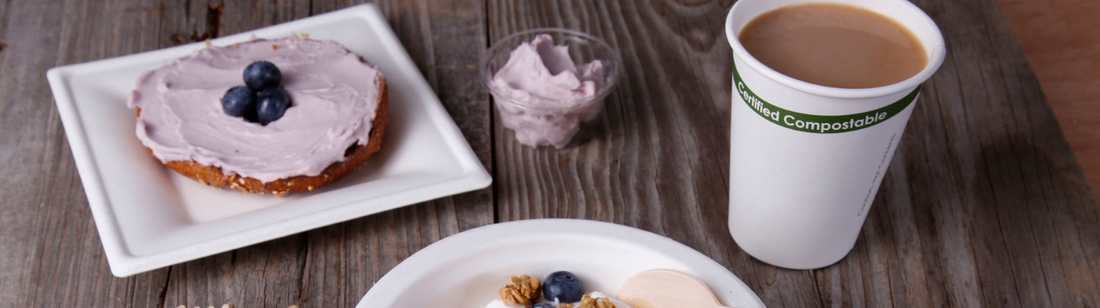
column 123, row 263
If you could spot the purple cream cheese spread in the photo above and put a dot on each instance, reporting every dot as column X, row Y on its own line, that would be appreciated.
column 333, row 95
column 543, row 96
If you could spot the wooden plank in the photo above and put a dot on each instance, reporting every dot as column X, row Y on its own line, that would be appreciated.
column 1062, row 47
column 24, row 120
column 1052, row 184
column 52, row 253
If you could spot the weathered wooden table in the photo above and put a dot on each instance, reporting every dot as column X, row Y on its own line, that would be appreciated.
column 984, row 204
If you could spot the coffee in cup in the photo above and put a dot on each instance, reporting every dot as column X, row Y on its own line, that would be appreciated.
column 834, row 45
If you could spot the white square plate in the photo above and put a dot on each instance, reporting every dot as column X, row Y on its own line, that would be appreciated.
column 150, row 217
column 467, row 269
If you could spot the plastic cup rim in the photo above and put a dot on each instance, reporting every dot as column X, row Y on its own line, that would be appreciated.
column 614, row 74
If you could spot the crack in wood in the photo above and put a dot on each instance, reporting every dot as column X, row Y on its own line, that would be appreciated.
column 213, row 25
column 303, row 260
column 164, row 291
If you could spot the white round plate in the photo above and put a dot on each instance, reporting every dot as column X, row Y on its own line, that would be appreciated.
column 467, row 269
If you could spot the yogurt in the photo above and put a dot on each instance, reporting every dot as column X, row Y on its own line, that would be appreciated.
column 543, row 96
column 618, row 304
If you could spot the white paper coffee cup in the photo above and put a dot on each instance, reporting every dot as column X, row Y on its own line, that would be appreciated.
column 806, row 160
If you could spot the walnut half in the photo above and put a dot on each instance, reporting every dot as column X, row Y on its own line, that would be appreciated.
column 589, row 302
column 521, row 290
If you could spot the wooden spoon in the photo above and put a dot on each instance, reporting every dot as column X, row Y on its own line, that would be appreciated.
column 662, row 288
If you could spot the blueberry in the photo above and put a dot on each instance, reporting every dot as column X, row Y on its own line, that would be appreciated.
column 262, row 74
column 544, row 305
column 272, row 103
column 563, row 286
column 239, row 101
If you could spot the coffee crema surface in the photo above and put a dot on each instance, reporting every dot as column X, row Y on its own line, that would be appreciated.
column 834, row 45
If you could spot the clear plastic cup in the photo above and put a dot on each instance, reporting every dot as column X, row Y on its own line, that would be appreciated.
column 542, row 120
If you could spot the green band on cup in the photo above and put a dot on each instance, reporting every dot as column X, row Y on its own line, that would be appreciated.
column 820, row 124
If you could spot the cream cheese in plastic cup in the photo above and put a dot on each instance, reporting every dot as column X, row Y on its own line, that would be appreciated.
column 806, row 160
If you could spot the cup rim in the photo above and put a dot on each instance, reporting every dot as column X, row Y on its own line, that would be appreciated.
column 613, row 75
column 935, row 59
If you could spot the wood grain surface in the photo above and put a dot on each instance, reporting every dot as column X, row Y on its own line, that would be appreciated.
column 984, row 205
column 1062, row 45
